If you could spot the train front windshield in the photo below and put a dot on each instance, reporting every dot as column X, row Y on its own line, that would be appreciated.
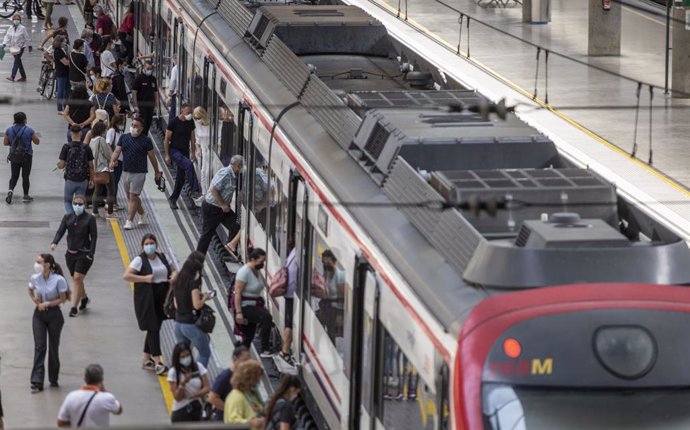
column 536, row 408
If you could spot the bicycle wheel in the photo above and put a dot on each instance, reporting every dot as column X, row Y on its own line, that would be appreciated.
column 42, row 79
column 50, row 84
column 8, row 8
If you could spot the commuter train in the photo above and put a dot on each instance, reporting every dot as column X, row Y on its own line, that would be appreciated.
column 481, row 279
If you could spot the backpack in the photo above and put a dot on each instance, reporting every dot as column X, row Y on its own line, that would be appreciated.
column 18, row 153
column 76, row 166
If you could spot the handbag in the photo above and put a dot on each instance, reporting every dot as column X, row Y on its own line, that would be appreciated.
column 14, row 50
column 101, row 178
column 169, row 305
column 205, row 320
column 279, row 283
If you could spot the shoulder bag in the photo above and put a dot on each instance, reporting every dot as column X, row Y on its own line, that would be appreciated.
column 101, row 178
column 83, row 413
column 205, row 319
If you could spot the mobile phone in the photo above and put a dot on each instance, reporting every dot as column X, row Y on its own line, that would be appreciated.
column 194, row 374
column 212, row 294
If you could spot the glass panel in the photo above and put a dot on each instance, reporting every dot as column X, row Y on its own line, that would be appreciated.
column 408, row 403
column 367, row 364
column 277, row 215
column 226, row 147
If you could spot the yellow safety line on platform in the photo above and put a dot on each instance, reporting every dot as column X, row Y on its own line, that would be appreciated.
column 124, row 255
column 673, row 183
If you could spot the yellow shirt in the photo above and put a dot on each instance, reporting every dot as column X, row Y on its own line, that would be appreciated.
column 238, row 407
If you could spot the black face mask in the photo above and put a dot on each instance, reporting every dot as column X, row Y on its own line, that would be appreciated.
column 259, row 266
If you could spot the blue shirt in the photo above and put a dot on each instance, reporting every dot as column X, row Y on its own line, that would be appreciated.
column 25, row 135
column 135, row 153
column 48, row 289
column 224, row 181
column 222, row 387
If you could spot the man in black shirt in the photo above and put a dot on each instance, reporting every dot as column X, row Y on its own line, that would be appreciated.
column 61, row 71
column 119, row 89
column 82, row 234
column 145, row 96
column 178, row 139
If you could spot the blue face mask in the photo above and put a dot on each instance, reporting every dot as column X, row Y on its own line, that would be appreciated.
column 150, row 248
column 78, row 209
column 186, row 361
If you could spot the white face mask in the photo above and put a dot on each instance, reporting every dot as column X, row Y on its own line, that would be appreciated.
column 188, row 117
column 148, row 72
column 38, row 267
column 134, row 131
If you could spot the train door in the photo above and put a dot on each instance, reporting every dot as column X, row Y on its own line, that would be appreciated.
column 298, row 227
column 364, row 358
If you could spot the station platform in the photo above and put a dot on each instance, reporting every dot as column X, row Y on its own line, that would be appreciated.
column 590, row 115
column 107, row 333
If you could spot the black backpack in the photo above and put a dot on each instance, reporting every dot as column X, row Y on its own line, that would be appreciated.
column 18, row 153
column 76, row 165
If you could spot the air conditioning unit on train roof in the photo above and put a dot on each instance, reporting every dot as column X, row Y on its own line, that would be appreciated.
column 432, row 140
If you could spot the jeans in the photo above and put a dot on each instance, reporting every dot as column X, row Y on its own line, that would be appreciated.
column 46, row 324
column 212, row 216
column 191, row 335
column 25, row 170
column 73, row 188
column 62, row 91
column 18, row 66
column 185, row 170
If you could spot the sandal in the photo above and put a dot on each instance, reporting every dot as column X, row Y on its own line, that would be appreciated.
column 231, row 251
column 287, row 358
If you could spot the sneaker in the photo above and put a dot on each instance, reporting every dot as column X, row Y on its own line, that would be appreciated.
column 8, row 199
column 196, row 195
column 85, row 301
column 128, row 225
column 160, row 369
column 27, row 199
column 10, row 78
column 35, row 388
column 143, row 219
column 54, row 385
column 20, row 79
column 287, row 358
column 73, row 312
column 266, row 354
column 173, row 204
column 149, row 365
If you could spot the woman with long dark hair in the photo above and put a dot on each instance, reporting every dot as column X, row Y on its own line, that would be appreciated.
column 188, row 383
column 151, row 273
column 188, row 301
column 48, row 290
column 280, row 411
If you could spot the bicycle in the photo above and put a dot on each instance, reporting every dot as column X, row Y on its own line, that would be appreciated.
column 46, row 80
column 9, row 7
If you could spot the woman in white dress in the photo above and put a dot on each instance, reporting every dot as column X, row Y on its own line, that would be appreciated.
column 203, row 145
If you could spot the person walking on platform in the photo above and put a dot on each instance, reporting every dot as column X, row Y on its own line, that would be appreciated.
column 249, row 305
column 61, row 64
column 77, row 161
column 135, row 148
column 48, row 290
column 180, row 135
column 19, row 138
column 215, row 209
column 119, row 87
column 82, row 234
column 17, row 39
column 112, row 137
column 280, row 410
column 222, row 386
column 102, row 152
column 244, row 405
column 48, row 4
column 188, row 384
column 91, row 405
column 151, row 273
column 145, row 96
column 188, row 301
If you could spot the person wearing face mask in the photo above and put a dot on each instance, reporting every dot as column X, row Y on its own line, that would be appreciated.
column 47, row 290
column 188, row 301
column 87, row 37
column 82, row 234
column 77, row 161
column 280, row 411
column 107, row 58
column 78, row 63
column 17, row 39
column 119, row 88
column 188, row 382
column 112, row 137
column 151, row 273
column 179, row 146
column 135, row 149
column 145, row 95
column 249, row 305
column 215, row 209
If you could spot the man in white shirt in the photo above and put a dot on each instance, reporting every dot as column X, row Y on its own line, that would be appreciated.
column 91, row 405
column 16, row 39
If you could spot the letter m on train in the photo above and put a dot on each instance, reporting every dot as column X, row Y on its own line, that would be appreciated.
column 542, row 367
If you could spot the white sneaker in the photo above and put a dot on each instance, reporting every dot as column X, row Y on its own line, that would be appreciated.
column 128, row 225
column 144, row 219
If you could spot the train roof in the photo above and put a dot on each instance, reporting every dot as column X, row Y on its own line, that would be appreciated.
column 397, row 145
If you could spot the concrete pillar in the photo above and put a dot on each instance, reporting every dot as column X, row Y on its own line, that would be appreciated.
column 536, row 11
column 604, row 29
column 680, row 60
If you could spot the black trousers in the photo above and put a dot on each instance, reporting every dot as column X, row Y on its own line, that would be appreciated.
column 47, row 324
column 257, row 317
column 111, row 193
column 213, row 216
column 191, row 412
column 25, row 170
column 146, row 115
column 152, row 343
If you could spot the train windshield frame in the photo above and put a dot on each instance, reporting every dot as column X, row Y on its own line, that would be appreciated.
column 540, row 408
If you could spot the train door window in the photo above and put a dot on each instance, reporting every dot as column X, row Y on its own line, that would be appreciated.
column 408, row 403
column 277, row 216
column 329, row 294
column 226, row 134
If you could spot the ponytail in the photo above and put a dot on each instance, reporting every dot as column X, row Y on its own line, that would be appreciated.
column 54, row 266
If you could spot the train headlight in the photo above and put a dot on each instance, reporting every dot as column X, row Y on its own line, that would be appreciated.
column 628, row 352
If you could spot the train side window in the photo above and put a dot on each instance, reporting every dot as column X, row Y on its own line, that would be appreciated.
column 226, row 148
column 329, row 294
column 277, row 218
column 407, row 401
